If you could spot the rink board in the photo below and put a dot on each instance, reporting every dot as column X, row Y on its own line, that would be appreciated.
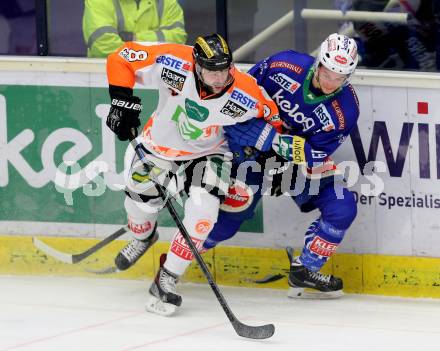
column 234, row 266
column 53, row 110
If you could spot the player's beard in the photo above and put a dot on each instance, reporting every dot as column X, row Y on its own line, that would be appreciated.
column 216, row 87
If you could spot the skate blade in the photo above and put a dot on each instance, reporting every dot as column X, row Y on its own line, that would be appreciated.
column 304, row 293
column 157, row 306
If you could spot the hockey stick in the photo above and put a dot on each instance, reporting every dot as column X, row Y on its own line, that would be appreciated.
column 270, row 278
column 246, row 331
column 75, row 258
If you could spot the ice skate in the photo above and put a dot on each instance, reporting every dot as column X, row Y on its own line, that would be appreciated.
column 163, row 298
column 306, row 284
column 134, row 250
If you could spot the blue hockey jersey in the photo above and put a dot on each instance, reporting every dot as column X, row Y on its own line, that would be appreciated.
column 323, row 120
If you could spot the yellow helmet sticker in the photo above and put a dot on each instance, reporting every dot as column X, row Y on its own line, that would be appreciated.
column 205, row 47
column 225, row 46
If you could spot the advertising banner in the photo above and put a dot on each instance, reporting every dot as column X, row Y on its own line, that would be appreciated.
column 61, row 167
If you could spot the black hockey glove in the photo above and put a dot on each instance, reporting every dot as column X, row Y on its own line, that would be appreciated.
column 124, row 113
column 275, row 167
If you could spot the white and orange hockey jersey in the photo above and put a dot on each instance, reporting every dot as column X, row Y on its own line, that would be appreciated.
column 184, row 125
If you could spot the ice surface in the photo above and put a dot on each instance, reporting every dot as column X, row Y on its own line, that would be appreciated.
column 54, row 313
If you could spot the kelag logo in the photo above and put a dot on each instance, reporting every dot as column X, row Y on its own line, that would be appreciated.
column 80, row 146
column 58, row 156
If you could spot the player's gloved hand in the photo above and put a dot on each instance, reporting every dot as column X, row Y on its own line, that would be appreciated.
column 290, row 147
column 256, row 133
column 274, row 167
column 242, row 154
column 124, row 115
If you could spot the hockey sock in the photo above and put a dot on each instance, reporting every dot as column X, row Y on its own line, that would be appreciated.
column 201, row 211
column 141, row 223
column 320, row 243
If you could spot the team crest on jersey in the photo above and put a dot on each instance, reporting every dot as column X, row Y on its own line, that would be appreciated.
column 184, row 117
column 285, row 82
column 131, row 55
column 324, row 117
column 233, row 110
column 172, row 78
column 195, row 111
column 239, row 197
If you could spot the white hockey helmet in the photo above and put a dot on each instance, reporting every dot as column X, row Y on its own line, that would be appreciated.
column 338, row 53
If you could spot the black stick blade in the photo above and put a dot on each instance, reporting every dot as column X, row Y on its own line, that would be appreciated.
column 250, row 332
column 269, row 278
column 105, row 270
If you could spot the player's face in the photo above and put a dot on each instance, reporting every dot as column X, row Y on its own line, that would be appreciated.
column 330, row 81
column 216, row 80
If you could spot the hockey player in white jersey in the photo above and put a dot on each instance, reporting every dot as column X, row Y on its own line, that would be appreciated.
column 200, row 91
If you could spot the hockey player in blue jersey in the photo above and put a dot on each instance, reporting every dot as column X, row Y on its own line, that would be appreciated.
column 319, row 108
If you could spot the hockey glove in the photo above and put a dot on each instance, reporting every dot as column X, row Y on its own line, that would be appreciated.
column 256, row 133
column 290, row 147
column 124, row 115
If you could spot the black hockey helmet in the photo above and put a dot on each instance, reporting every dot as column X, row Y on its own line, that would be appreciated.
column 212, row 52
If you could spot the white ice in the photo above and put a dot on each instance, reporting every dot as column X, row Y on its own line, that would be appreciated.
column 53, row 313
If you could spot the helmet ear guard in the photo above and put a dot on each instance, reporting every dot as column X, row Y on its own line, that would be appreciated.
column 338, row 53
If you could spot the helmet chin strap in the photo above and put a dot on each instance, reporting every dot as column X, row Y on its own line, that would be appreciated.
column 316, row 76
